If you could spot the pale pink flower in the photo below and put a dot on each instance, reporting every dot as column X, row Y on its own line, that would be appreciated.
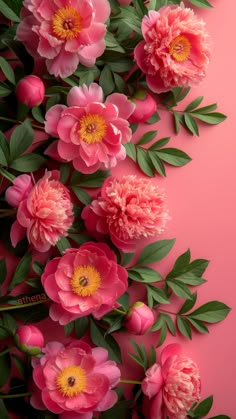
column 173, row 385
column 64, row 33
column 45, row 213
column 128, row 209
column 74, row 380
column 139, row 318
column 175, row 49
column 30, row 91
column 91, row 133
column 84, row 281
column 29, row 339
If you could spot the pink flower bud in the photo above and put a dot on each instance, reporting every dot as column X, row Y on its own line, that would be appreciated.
column 20, row 189
column 139, row 318
column 30, row 91
column 145, row 107
column 29, row 339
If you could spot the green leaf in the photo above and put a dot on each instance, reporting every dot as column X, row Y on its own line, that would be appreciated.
column 7, row 70
column 21, row 271
column 204, row 407
column 157, row 163
column 153, row 119
column 38, row 114
column 5, row 368
column 190, row 279
column 81, row 326
column 9, row 323
column 147, row 137
column 124, row 300
column 191, row 124
column 82, row 195
column 184, row 328
column 152, row 356
column 95, row 180
column 188, row 305
column 210, row 118
column 4, row 91
column 178, row 117
column 179, row 289
column 211, row 312
column 63, row 244
column 20, row 365
column 156, row 295
column 206, row 109
column 131, row 151
column 156, row 251
column 159, row 143
column 174, row 156
column 144, row 162
column 38, row 268
column 163, row 335
column 169, row 322
column 8, row 12
column 126, row 258
column 194, row 104
column 28, row 162
column 68, row 328
column 180, row 265
column 64, row 172
column 116, row 325
column 201, row 3
column 3, row 411
column 106, row 80
column 21, row 138
column 198, row 266
column 97, row 337
column 220, row 417
column 144, row 274
column 4, row 150
column 198, row 325
column 119, row 410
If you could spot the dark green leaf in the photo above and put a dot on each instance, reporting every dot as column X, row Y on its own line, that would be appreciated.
column 169, row 322
column 152, row 356
column 7, row 70
column 144, row 162
column 174, row 157
column 157, row 163
column 188, row 304
column 106, row 80
column 190, row 279
column 179, row 289
column 144, row 274
column 198, row 266
column 9, row 323
column 38, row 114
column 4, row 91
column 126, row 258
column 178, row 117
column 180, row 93
column 82, row 195
column 97, row 337
column 21, row 138
column 206, row 109
column 5, row 368
column 81, row 326
column 159, row 143
column 4, row 150
column 8, row 12
column 204, row 407
column 156, row 295
column 156, row 251
column 194, row 104
column 184, row 328
column 68, row 328
column 119, row 82
column 63, row 244
column 220, row 417
column 153, row 119
column 116, row 325
column 130, row 150
column 95, row 180
column 210, row 118
column 147, row 137
column 211, row 312
column 20, row 365
column 163, row 335
column 124, row 301
column 201, row 3
column 198, row 325
column 119, row 410
column 191, row 124
column 21, row 271
column 180, row 265
column 3, row 411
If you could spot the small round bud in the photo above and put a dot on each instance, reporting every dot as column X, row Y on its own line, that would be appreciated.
column 30, row 91
column 139, row 318
column 145, row 107
column 29, row 339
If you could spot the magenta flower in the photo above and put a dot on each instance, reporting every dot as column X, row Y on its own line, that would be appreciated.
column 173, row 385
column 29, row 339
column 175, row 49
column 91, row 133
column 64, row 33
column 45, row 210
column 30, row 91
column 74, row 380
column 84, row 281
column 139, row 318
column 128, row 209
column 145, row 106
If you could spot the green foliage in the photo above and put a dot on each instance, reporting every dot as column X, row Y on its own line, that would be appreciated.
column 140, row 356
column 108, row 342
column 156, row 251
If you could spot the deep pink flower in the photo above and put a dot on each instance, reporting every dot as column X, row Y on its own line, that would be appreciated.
column 145, row 106
column 175, row 49
column 22, row 185
column 30, row 91
column 29, row 339
column 128, row 209
column 173, row 385
column 64, row 33
column 74, row 380
column 91, row 133
column 139, row 318
column 44, row 214
column 84, row 281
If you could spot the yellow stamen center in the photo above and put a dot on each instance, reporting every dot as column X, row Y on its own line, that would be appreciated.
column 85, row 280
column 66, row 23
column 92, row 128
column 180, row 48
column 71, row 381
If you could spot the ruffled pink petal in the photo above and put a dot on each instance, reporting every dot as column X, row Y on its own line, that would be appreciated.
column 102, row 10
column 169, row 351
column 108, row 401
column 81, row 96
column 125, row 106
column 49, row 403
column 67, row 151
column 63, row 65
column 153, row 382
column 53, row 116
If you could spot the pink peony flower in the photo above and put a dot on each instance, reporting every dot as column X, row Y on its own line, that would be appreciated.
column 44, row 211
column 175, row 49
column 30, row 91
column 22, row 185
column 84, row 281
column 127, row 209
column 74, row 380
column 173, row 385
column 145, row 106
column 29, row 339
column 139, row 318
column 91, row 133
column 64, row 33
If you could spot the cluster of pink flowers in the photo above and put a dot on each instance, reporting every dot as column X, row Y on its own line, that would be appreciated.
column 91, row 132
column 128, row 209
column 44, row 210
column 64, row 33
column 74, row 380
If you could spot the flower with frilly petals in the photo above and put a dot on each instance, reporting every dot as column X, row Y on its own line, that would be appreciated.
column 45, row 210
column 91, row 133
column 74, row 380
column 128, row 209
column 64, row 33
column 84, row 281
column 173, row 385
column 175, row 49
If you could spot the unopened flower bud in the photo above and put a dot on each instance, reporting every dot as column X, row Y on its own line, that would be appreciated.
column 29, row 339
column 145, row 107
column 139, row 318
column 30, row 91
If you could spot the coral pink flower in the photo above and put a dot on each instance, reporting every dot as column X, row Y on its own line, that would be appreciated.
column 175, row 49
column 173, row 385
column 29, row 339
column 139, row 318
column 127, row 209
column 74, row 380
column 64, row 33
column 91, row 133
column 44, row 212
column 84, row 281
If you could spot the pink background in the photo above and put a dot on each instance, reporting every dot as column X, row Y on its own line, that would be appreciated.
column 202, row 204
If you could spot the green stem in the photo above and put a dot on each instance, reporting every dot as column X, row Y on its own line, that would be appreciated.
column 7, row 350
column 168, row 312
column 130, row 382
column 116, row 310
column 7, row 174
column 14, row 396
column 15, row 121
column 19, row 306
